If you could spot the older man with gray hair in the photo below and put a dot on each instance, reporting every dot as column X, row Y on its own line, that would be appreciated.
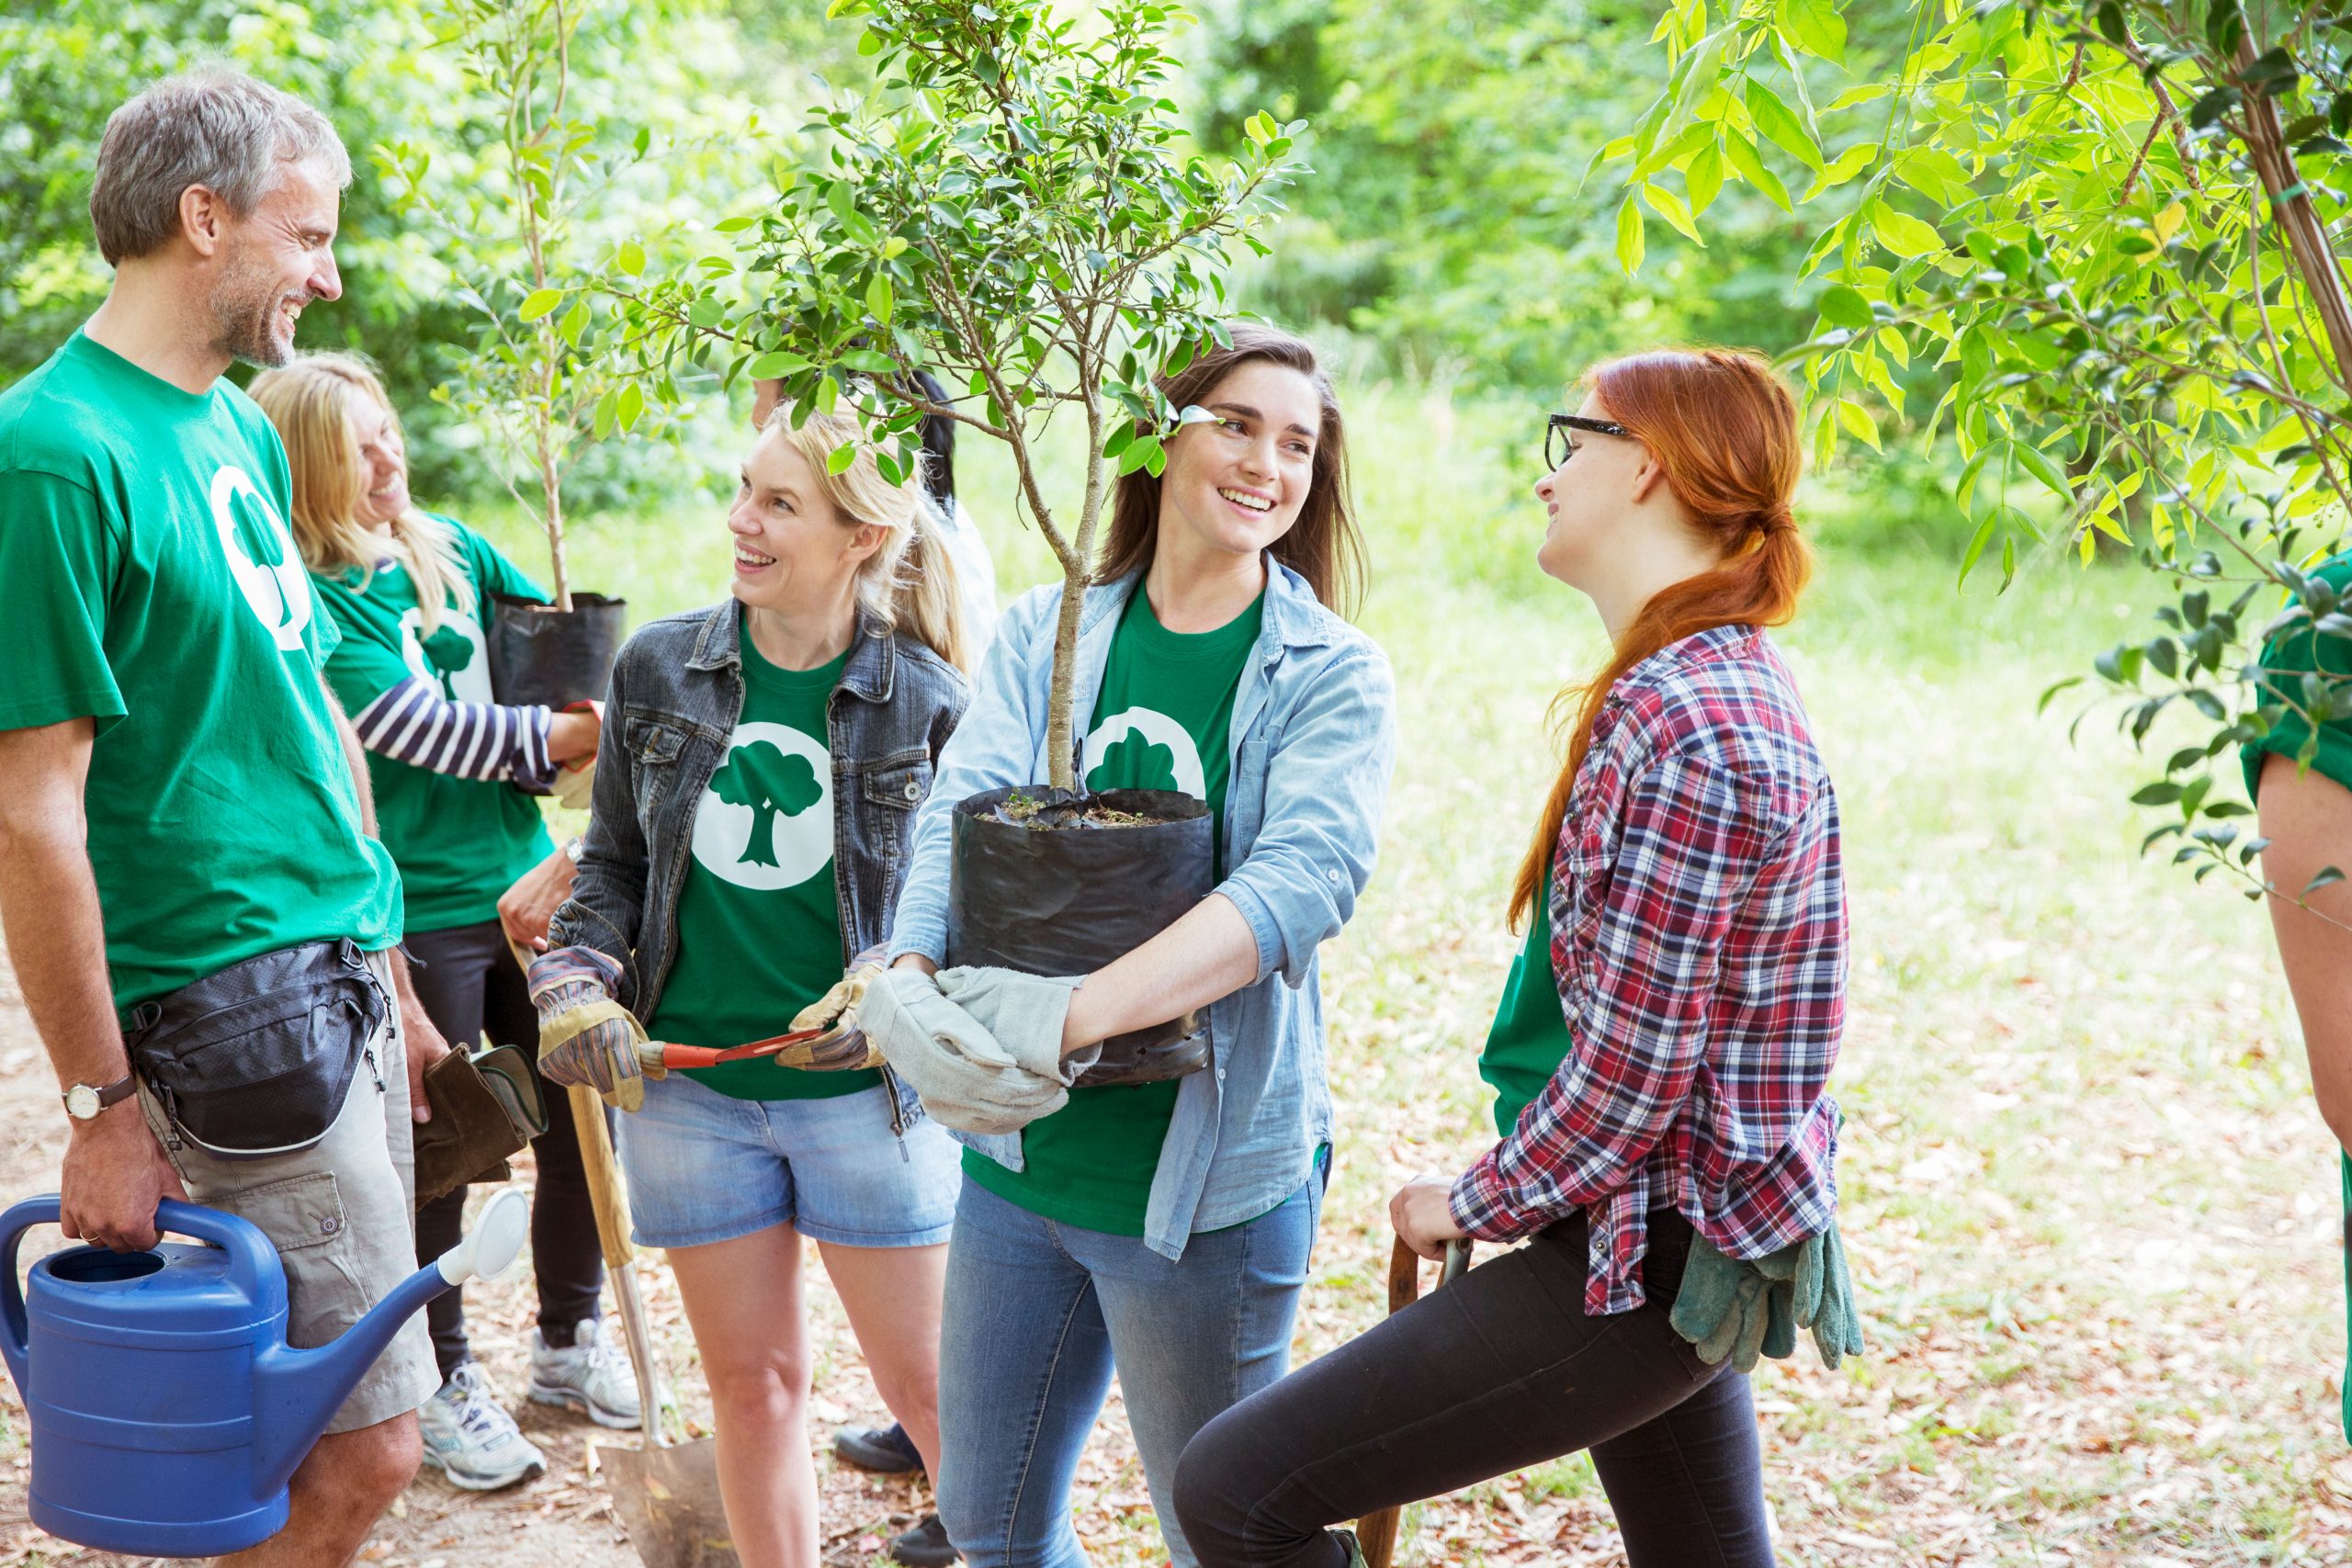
column 200, row 918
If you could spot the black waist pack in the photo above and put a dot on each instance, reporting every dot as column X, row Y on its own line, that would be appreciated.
column 255, row 1060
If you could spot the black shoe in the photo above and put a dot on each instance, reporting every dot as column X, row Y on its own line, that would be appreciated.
column 886, row 1450
column 925, row 1546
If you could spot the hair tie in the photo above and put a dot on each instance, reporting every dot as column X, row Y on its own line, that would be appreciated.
column 1772, row 519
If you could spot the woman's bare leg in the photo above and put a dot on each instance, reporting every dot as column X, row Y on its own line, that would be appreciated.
column 893, row 1297
column 744, row 1301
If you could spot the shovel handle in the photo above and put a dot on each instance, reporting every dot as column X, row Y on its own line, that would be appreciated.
column 605, row 1194
column 1377, row 1532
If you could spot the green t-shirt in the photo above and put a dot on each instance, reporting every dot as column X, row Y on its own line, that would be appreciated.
column 1163, row 721
column 2285, row 661
column 459, row 842
column 157, row 590
column 760, row 922
column 1530, row 1036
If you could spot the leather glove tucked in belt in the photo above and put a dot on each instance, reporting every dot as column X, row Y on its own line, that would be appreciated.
column 1025, row 1012
column 1746, row 1308
column 966, row 1079
column 584, row 1036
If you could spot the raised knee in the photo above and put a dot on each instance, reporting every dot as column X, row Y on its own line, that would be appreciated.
column 1203, row 1490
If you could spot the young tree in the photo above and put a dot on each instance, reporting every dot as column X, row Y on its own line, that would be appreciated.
column 2103, row 234
column 511, row 240
column 1012, row 206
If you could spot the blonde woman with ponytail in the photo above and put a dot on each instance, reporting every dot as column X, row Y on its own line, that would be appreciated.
column 1659, row 1054
column 754, row 794
column 449, row 768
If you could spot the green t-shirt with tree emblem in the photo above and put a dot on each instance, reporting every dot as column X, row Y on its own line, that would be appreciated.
column 760, row 922
column 459, row 842
column 1163, row 721
column 153, row 587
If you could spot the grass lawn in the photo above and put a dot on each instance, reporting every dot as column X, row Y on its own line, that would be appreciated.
column 2091, row 1209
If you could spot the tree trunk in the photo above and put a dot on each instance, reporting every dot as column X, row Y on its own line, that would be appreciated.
column 2307, row 242
column 1061, row 750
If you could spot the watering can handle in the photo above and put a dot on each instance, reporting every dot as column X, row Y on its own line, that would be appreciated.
column 14, row 1333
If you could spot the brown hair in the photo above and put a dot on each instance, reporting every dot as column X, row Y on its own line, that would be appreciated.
column 1725, row 429
column 1323, row 546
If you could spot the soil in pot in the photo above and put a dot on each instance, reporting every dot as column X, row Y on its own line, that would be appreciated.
column 1048, row 882
column 540, row 654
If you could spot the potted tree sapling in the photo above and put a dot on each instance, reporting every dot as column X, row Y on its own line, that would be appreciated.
column 1014, row 205
column 506, row 230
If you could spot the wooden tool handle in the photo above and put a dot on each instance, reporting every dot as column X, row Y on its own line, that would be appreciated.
column 1377, row 1532
column 605, row 1193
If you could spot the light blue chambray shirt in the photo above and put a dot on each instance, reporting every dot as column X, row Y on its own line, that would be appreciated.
column 1314, row 740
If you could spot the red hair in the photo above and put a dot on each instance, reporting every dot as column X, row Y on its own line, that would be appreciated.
column 1725, row 429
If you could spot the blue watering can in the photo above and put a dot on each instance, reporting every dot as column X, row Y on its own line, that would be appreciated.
column 167, row 1409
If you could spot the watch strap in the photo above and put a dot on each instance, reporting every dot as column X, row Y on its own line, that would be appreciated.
column 108, row 1094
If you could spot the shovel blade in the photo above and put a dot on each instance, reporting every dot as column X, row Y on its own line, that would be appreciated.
column 668, row 1501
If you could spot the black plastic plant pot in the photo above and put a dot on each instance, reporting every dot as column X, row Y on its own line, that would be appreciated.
column 1060, row 894
column 542, row 656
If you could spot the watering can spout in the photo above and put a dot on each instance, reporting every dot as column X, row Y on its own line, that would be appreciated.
column 297, row 1393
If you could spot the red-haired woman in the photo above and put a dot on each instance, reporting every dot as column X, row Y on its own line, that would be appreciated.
column 1659, row 1053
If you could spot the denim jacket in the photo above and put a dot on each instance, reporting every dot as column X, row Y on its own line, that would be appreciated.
column 1312, row 743
column 677, row 695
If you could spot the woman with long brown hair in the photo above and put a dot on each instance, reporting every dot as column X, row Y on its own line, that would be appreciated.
column 1659, row 1053
column 1158, row 1230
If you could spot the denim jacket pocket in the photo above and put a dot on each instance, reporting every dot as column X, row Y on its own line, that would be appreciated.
column 654, row 742
column 888, row 791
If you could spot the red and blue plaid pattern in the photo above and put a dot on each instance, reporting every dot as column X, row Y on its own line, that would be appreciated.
column 1698, row 943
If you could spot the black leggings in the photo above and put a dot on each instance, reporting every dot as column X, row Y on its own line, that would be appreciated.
column 471, row 986
column 1497, row 1371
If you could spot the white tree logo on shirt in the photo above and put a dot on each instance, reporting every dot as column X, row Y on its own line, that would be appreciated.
column 1169, row 759
column 766, row 821
column 453, row 659
column 278, row 590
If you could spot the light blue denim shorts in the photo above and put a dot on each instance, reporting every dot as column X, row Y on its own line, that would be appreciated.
column 704, row 1166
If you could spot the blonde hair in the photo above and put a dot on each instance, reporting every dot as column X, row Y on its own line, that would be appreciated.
column 314, row 401
column 909, row 583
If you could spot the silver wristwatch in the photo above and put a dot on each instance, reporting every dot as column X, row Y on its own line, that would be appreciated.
column 84, row 1101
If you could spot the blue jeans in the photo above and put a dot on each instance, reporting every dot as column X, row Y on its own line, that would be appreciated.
column 1041, row 1314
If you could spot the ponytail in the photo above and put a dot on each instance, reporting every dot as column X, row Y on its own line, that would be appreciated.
column 1723, row 427
column 925, row 600
column 908, row 585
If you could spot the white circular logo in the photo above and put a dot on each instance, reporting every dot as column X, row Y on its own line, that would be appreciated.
column 766, row 821
column 278, row 592
column 1152, row 751
column 453, row 659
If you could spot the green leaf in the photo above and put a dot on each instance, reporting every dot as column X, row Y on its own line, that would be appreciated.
column 1857, row 422
column 871, row 361
column 1842, row 168
column 1817, row 27
column 1668, row 206
column 539, row 303
column 1776, row 121
column 839, row 460
column 1741, row 152
column 1904, row 234
column 1843, row 305
column 1704, row 177
column 2039, row 464
column 629, row 405
column 630, row 258
column 878, row 297
column 773, row 366
column 1629, row 237
column 2328, row 877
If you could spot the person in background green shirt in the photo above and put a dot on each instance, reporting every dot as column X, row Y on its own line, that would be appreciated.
column 410, row 592
column 179, row 792
column 2306, row 820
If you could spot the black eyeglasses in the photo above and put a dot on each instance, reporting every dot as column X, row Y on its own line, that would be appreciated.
column 1557, row 446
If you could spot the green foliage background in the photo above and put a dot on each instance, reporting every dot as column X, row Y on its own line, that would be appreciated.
column 1443, row 241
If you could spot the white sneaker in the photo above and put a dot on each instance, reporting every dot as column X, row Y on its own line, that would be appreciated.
column 591, row 1374
column 473, row 1441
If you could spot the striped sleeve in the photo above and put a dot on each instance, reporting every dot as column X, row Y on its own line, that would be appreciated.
column 414, row 724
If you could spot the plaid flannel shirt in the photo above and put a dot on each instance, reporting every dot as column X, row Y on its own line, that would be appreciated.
column 1699, row 944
